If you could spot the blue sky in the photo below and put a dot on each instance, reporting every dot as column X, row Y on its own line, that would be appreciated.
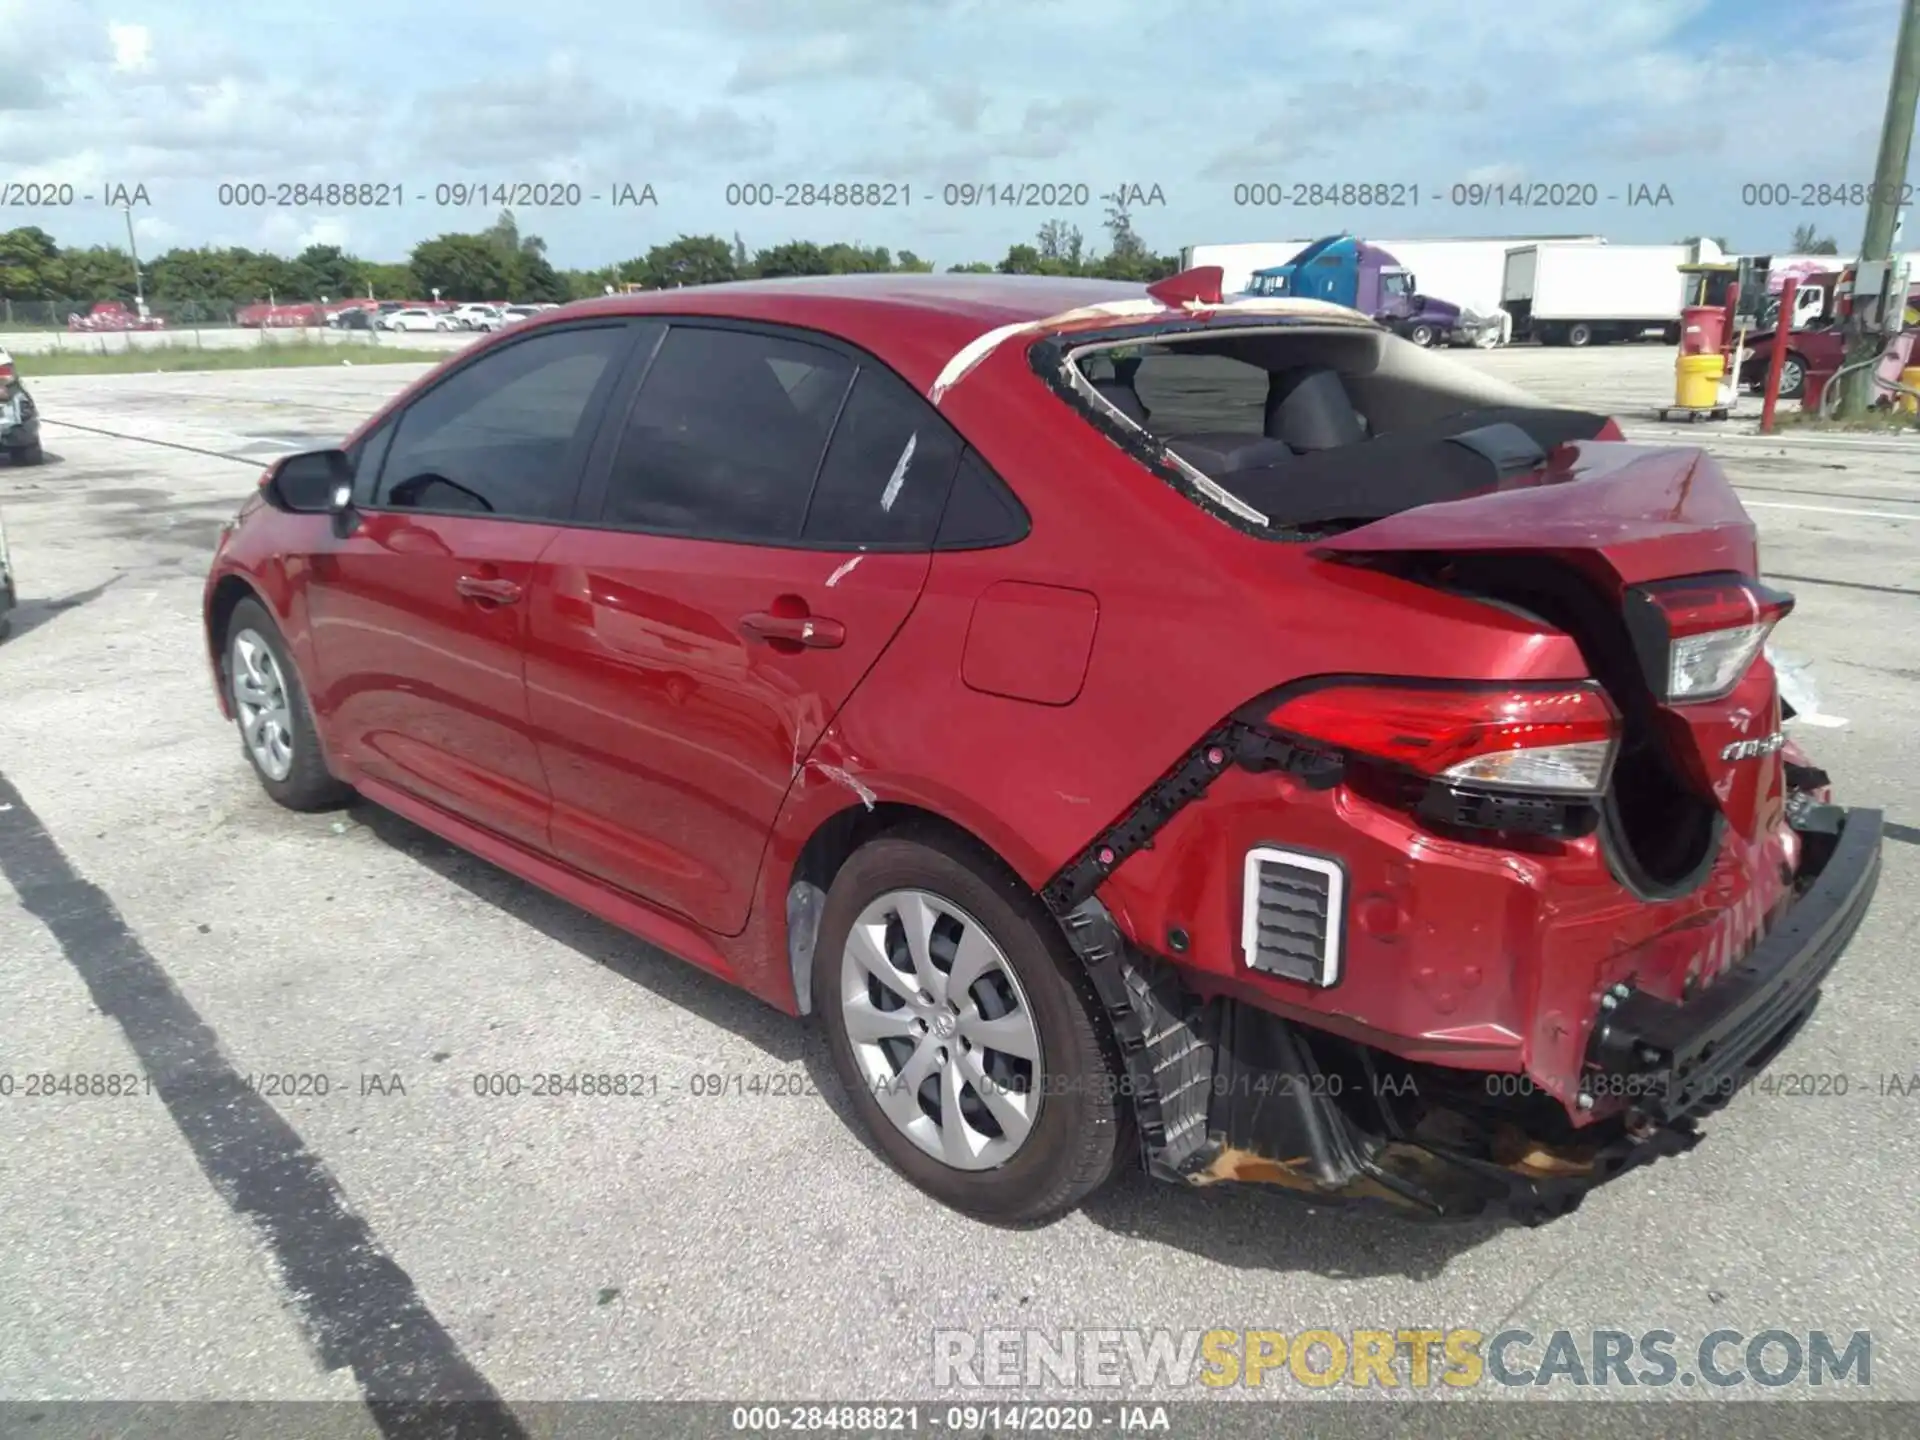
column 689, row 96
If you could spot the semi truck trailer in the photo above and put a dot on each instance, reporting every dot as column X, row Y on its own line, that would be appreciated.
column 1584, row 294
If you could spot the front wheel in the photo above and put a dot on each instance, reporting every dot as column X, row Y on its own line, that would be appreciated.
column 965, row 1032
column 1423, row 336
column 270, row 708
column 1793, row 377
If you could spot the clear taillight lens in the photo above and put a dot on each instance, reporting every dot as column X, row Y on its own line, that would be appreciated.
column 1555, row 739
column 1700, row 666
column 1697, row 637
column 1576, row 769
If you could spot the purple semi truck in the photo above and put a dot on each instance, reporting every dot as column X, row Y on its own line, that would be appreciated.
column 1366, row 278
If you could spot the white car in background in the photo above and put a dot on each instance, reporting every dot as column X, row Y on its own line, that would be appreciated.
column 477, row 317
column 416, row 318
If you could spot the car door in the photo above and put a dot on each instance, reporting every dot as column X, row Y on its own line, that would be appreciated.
column 418, row 616
column 755, row 541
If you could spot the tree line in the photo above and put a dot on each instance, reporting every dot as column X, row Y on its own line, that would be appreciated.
column 501, row 262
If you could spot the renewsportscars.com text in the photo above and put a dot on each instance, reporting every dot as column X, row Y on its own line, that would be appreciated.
column 1397, row 1359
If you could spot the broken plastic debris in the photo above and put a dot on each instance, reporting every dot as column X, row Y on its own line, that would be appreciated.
column 1797, row 688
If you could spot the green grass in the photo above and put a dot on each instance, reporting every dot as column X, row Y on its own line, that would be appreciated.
column 182, row 354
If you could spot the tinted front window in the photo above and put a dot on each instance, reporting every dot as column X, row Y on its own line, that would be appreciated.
column 887, row 471
column 726, row 435
column 497, row 437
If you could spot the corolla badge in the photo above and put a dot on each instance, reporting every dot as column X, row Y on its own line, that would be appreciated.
column 1754, row 749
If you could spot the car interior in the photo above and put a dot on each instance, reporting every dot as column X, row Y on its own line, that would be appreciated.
column 1318, row 429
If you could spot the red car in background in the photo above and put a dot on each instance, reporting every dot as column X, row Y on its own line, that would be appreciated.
column 1143, row 728
column 113, row 315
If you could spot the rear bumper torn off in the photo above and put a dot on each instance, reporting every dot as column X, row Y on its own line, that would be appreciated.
column 1678, row 1058
column 1226, row 1091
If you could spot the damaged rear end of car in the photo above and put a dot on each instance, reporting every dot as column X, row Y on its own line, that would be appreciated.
column 1435, row 942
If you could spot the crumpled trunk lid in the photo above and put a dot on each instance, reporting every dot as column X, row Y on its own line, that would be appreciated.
column 1572, row 541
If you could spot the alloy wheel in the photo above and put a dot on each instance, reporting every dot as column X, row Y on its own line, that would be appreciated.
column 941, row 1029
column 260, row 698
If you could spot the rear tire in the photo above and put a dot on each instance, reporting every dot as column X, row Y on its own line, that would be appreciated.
column 977, row 918
column 1579, row 333
column 269, row 702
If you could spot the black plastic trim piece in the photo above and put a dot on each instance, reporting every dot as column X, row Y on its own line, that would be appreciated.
column 1690, row 1053
column 1558, row 817
column 1233, row 743
column 1164, row 1038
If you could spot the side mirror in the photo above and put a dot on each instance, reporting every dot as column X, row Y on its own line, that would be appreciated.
column 308, row 484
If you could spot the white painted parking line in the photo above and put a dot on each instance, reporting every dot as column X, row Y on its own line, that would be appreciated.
column 1826, row 509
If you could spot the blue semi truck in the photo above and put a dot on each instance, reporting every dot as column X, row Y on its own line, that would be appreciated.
column 1363, row 277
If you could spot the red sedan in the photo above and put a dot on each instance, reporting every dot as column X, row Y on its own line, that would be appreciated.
column 1144, row 728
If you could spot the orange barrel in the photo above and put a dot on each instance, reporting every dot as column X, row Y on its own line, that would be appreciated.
column 1703, row 330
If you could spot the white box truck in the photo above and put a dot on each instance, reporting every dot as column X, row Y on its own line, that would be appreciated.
column 1583, row 294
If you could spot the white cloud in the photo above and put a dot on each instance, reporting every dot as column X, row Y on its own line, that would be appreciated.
column 693, row 94
column 132, row 47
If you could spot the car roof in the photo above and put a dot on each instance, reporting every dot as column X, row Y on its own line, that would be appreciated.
column 915, row 322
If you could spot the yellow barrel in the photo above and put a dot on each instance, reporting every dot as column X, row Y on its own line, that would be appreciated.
column 1910, row 377
column 1697, row 381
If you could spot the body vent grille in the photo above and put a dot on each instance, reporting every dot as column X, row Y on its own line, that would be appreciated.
column 1291, row 922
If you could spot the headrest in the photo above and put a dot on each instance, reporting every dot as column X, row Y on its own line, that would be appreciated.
column 1310, row 410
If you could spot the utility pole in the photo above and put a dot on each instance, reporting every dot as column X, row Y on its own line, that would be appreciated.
column 1883, row 204
column 139, row 292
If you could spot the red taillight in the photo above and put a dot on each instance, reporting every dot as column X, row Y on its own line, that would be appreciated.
column 1696, row 637
column 1557, row 739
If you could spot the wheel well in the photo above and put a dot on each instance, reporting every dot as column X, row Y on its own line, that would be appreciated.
column 830, row 847
column 227, row 595
column 833, row 844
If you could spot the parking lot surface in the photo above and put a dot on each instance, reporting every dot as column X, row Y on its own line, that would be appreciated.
column 700, row 1240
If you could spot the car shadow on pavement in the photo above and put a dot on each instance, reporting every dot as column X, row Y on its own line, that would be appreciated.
column 1261, row 1227
column 1245, row 1226
column 674, row 980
